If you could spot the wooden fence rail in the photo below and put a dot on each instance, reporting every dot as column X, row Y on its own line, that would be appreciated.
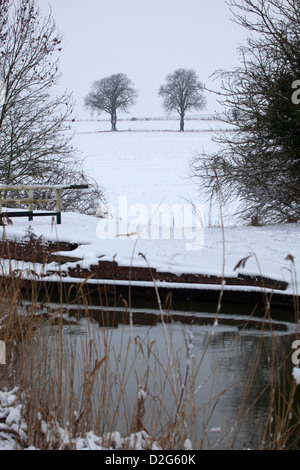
column 30, row 201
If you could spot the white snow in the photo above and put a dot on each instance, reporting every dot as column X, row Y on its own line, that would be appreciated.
column 188, row 445
column 216, row 429
column 11, row 421
column 142, row 395
column 151, row 164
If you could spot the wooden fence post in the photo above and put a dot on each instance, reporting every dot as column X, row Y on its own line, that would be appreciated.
column 58, row 206
column 30, row 206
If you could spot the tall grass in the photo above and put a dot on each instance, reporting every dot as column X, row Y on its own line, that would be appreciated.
column 76, row 372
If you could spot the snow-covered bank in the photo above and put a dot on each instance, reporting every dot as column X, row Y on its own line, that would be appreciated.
column 274, row 250
column 14, row 432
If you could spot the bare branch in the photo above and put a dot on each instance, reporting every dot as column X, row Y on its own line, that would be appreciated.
column 258, row 162
column 35, row 138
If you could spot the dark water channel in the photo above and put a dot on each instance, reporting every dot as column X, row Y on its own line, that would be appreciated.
column 224, row 365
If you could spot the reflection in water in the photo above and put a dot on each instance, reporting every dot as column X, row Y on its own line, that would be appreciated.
column 150, row 356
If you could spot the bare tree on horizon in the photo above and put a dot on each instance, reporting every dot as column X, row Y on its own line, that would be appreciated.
column 111, row 94
column 182, row 92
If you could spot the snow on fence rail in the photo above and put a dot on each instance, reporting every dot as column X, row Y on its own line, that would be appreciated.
column 30, row 200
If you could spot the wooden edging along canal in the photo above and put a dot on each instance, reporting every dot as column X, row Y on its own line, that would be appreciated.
column 110, row 278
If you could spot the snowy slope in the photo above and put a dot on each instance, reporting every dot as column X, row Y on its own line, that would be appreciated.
column 149, row 164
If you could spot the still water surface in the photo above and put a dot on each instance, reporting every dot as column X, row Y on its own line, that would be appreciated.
column 209, row 361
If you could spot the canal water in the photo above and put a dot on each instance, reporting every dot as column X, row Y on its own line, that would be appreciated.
column 145, row 369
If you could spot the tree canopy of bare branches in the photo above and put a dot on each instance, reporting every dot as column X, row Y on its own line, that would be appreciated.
column 259, row 161
column 111, row 94
column 182, row 92
column 35, row 139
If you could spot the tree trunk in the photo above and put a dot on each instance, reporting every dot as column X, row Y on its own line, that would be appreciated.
column 113, row 121
column 181, row 122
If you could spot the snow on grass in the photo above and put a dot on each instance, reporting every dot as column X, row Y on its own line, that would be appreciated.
column 205, row 123
column 14, row 432
column 13, row 429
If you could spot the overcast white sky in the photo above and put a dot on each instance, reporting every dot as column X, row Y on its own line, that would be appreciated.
column 146, row 40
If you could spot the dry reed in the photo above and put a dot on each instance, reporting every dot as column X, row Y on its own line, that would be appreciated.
column 73, row 375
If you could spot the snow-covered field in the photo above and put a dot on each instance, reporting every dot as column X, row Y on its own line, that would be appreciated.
column 148, row 165
column 148, row 161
